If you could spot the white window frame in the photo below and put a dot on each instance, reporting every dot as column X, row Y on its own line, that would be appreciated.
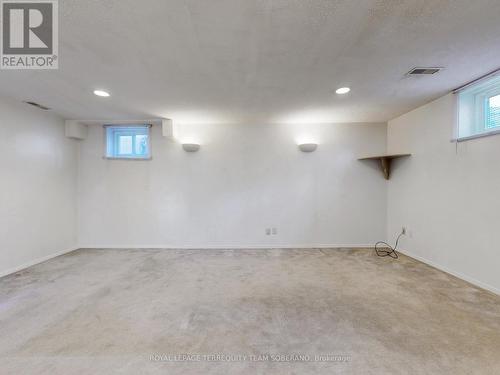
column 132, row 158
column 479, row 106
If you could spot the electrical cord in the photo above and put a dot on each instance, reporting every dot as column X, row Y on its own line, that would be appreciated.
column 391, row 251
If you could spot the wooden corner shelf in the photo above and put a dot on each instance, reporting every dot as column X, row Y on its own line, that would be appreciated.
column 385, row 162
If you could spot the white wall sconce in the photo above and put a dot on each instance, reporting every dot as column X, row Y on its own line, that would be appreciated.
column 308, row 147
column 190, row 147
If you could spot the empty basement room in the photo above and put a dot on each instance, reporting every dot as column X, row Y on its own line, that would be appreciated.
column 250, row 187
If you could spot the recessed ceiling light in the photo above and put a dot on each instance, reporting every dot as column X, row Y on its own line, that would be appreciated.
column 343, row 90
column 102, row 93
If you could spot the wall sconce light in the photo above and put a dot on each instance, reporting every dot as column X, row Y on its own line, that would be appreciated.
column 190, row 147
column 308, row 147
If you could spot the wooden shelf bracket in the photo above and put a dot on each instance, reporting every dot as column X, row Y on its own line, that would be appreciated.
column 385, row 162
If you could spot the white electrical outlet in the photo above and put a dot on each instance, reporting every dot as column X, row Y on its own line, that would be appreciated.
column 275, row 231
column 268, row 231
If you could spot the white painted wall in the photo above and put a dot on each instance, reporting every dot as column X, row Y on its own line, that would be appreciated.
column 38, row 170
column 245, row 178
column 446, row 196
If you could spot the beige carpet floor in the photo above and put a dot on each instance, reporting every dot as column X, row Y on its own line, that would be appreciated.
column 335, row 311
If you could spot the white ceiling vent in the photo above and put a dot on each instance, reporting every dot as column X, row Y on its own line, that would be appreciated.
column 423, row 71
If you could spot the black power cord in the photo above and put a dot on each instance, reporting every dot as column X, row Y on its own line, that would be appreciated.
column 388, row 250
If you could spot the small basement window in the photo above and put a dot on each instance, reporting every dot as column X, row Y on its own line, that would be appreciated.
column 479, row 109
column 493, row 112
column 128, row 141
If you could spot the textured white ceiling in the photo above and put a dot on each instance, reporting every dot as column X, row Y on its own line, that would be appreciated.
column 260, row 60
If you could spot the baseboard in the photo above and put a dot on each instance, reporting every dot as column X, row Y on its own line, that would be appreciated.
column 459, row 275
column 229, row 247
column 36, row 261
